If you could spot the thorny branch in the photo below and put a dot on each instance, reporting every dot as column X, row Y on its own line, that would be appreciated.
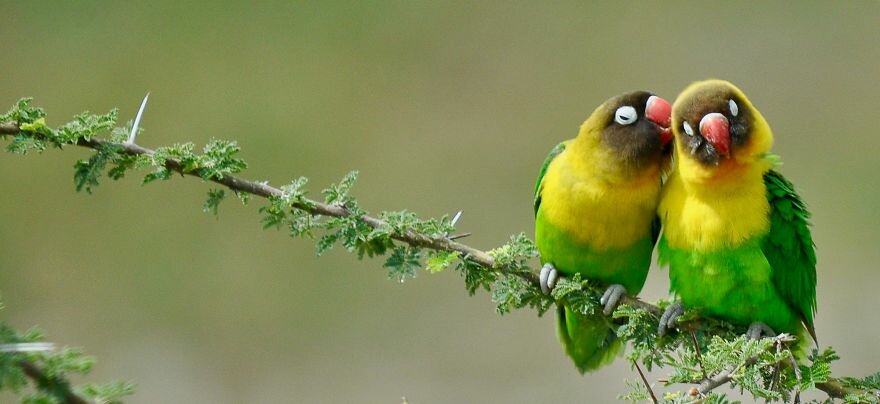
column 832, row 386
column 440, row 243
column 60, row 386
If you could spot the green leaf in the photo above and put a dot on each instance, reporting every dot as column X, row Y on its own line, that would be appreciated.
column 87, row 172
column 337, row 194
column 22, row 112
column 84, row 126
column 110, row 393
column 403, row 263
column 440, row 260
column 161, row 173
column 215, row 196
column 218, row 160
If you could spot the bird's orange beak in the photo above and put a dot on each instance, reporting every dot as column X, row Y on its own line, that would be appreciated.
column 716, row 129
column 659, row 111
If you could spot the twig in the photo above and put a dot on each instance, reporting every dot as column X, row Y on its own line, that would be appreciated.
column 723, row 377
column 699, row 355
column 57, row 386
column 727, row 375
column 777, row 370
column 797, row 376
column 834, row 388
column 645, row 381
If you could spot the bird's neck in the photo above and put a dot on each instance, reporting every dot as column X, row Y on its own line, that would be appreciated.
column 711, row 208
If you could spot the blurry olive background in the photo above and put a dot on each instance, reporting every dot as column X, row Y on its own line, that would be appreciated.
column 442, row 106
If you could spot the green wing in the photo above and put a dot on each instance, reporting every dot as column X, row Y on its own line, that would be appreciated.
column 789, row 248
column 553, row 153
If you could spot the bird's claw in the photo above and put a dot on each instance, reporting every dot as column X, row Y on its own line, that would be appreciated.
column 669, row 318
column 757, row 329
column 548, row 277
column 611, row 298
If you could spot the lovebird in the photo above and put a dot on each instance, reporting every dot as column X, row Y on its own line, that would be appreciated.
column 595, row 210
column 736, row 235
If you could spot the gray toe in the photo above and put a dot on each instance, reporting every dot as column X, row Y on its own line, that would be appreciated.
column 669, row 318
column 611, row 298
column 759, row 329
column 543, row 276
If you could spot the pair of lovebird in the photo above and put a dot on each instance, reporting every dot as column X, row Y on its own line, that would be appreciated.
column 735, row 235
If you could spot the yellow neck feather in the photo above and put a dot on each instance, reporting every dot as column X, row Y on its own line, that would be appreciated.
column 708, row 208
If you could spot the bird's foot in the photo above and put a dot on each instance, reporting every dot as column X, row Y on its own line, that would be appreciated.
column 758, row 329
column 548, row 277
column 669, row 317
column 611, row 298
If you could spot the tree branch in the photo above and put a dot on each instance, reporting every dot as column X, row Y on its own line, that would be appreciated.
column 318, row 208
column 58, row 387
column 724, row 377
column 645, row 382
column 832, row 386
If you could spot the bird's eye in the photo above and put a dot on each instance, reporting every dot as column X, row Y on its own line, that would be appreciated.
column 687, row 128
column 625, row 115
column 734, row 109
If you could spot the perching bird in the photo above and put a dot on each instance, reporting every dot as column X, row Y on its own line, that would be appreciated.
column 736, row 236
column 595, row 210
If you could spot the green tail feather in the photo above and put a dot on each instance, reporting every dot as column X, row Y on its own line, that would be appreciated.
column 588, row 340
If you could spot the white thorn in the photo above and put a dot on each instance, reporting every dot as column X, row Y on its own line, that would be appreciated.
column 137, row 120
column 28, row 347
column 455, row 218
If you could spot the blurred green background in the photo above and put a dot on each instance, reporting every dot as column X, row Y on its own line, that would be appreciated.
column 441, row 106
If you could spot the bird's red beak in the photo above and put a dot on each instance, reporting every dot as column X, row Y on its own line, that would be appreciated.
column 715, row 128
column 659, row 111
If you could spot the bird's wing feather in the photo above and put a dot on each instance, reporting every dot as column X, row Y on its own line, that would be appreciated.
column 789, row 248
column 538, row 186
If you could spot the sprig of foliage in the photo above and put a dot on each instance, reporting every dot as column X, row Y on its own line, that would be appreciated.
column 43, row 377
column 706, row 353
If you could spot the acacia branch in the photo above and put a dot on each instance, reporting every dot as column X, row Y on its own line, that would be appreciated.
column 264, row 190
column 59, row 387
column 724, row 377
column 832, row 386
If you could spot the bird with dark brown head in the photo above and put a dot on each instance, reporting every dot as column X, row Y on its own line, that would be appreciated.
column 595, row 214
column 736, row 235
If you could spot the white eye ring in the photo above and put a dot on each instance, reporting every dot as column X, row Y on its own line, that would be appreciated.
column 625, row 115
column 688, row 129
column 734, row 109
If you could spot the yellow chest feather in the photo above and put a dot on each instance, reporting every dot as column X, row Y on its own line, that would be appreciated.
column 596, row 212
column 706, row 218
